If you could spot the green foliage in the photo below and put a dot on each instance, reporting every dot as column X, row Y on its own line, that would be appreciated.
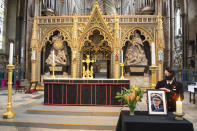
column 130, row 96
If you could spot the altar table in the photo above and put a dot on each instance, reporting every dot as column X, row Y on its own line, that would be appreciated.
column 83, row 91
column 141, row 121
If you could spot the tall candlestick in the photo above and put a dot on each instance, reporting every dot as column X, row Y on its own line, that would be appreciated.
column 34, row 55
column 121, row 56
column 153, row 53
column 11, row 53
column 179, row 107
column 53, row 57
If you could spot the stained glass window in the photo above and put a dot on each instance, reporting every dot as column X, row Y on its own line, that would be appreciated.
column 3, row 11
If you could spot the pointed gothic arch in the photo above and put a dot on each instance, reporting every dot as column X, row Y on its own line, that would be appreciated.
column 49, row 33
column 96, row 22
column 85, row 36
column 148, row 36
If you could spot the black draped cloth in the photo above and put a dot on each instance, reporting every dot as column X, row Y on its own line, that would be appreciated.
column 141, row 121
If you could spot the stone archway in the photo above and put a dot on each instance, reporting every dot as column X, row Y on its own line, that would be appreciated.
column 147, row 36
column 47, row 37
column 137, row 56
column 57, row 43
column 99, row 50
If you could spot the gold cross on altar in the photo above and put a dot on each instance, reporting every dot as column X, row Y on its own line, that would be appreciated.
column 88, row 61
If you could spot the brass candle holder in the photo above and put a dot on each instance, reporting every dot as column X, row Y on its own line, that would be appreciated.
column 9, row 111
column 53, row 75
column 179, row 116
column 122, row 71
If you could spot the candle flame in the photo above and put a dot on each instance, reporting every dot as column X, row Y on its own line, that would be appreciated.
column 179, row 99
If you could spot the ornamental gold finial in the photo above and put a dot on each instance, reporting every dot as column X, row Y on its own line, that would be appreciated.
column 96, row 4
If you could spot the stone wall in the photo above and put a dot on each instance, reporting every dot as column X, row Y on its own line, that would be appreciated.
column 11, row 23
column 192, row 28
column 192, row 18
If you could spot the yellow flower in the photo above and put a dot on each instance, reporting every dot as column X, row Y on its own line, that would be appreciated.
column 132, row 95
column 128, row 97
column 137, row 98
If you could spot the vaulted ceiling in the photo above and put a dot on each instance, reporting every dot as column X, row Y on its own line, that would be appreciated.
column 107, row 6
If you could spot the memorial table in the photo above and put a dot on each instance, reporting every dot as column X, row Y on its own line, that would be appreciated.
column 141, row 121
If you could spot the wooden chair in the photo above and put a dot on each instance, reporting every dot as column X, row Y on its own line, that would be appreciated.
column 19, row 87
column 32, row 87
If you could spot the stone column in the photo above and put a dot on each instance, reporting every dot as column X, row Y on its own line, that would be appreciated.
column 11, row 24
column 172, row 34
column 28, row 35
column 33, row 70
column 34, row 46
column 37, row 7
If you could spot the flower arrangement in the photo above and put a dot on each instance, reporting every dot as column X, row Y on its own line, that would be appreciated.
column 130, row 97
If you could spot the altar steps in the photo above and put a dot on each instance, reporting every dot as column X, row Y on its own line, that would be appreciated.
column 72, row 113
column 65, row 117
column 78, row 117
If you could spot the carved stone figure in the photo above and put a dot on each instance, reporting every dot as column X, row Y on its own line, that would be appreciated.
column 49, row 60
column 60, row 59
column 135, row 54
column 178, row 52
column 58, row 42
column 61, row 55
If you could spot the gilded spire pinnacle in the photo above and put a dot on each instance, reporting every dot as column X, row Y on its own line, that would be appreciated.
column 96, row 4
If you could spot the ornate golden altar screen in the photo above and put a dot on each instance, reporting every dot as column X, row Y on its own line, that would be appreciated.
column 100, row 36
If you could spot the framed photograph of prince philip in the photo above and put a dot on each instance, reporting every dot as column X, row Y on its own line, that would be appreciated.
column 156, row 102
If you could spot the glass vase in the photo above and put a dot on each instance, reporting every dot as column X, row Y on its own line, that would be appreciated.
column 132, row 110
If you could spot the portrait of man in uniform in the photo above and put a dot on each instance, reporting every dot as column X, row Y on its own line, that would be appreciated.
column 156, row 102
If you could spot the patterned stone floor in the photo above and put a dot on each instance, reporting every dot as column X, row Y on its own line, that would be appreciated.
column 22, row 102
